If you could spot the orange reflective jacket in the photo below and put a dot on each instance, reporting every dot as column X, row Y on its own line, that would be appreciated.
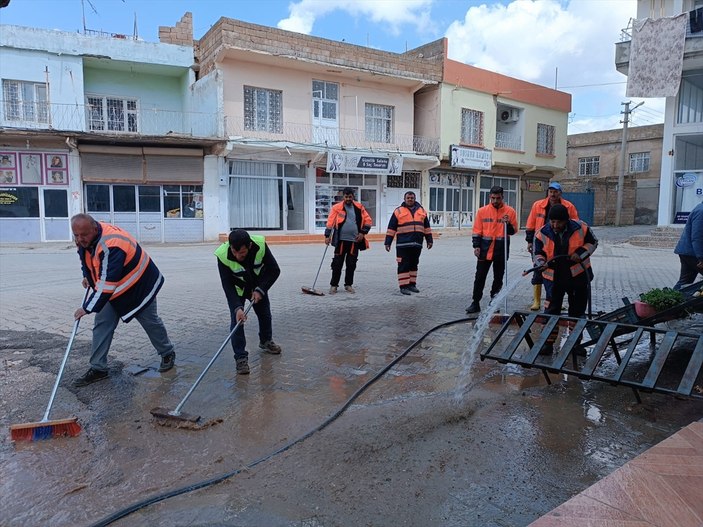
column 489, row 230
column 338, row 215
column 538, row 216
column 580, row 240
column 411, row 226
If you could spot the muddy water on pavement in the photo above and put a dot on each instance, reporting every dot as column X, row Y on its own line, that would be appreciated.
column 513, row 449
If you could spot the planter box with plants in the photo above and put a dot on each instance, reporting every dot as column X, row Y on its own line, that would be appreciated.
column 657, row 300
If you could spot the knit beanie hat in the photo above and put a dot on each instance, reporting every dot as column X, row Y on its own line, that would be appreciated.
column 558, row 212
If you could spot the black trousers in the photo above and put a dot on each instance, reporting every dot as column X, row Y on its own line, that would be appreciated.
column 689, row 271
column 577, row 293
column 408, row 259
column 345, row 252
column 482, row 267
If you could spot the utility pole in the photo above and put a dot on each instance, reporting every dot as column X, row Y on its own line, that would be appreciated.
column 623, row 159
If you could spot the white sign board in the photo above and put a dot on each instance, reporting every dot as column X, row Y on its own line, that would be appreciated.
column 364, row 163
column 466, row 157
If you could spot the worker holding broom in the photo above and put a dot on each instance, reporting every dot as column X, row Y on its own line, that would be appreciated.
column 535, row 221
column 247, row 271
column 347, row 226
column 124, row 282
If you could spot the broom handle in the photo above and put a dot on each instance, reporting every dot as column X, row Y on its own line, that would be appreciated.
column 320, row 267
column 505, row 256
column 177, row 411
column 63, row 364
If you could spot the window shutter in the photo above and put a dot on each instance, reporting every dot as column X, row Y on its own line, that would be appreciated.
column 174, row 169
column 111, row 167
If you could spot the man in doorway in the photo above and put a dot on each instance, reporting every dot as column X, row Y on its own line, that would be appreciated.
column 535, row 221
column 491, row 223
column 347, row 226
column 124, row 282
column 410, row 223
column 247, row 271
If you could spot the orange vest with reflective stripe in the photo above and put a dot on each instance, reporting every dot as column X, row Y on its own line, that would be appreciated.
column 577, row 240
column 488, row 230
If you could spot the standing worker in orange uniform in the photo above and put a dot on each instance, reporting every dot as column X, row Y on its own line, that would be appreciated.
column 347, row 237
column 488, row 239
column 535, row 221
column 410, row 224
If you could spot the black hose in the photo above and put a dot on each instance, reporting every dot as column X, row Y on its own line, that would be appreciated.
column 217, row 479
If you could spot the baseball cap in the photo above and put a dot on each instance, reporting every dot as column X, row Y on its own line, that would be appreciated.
column 555, row 185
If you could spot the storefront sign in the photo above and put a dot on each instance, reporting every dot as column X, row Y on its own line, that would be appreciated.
column 343, row 162
column 466, row 157
column 681, row 217
column 686, row 180
column 8, row 196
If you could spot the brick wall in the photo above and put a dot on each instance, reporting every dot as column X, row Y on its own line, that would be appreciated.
column 228, row 33
column 180, row 34
column 606, row 196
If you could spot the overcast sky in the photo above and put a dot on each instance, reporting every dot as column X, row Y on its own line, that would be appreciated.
column 570, row 44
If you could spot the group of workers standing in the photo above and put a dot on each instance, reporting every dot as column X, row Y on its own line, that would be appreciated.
column 122, row 281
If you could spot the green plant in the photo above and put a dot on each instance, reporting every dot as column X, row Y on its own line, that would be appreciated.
column 661, row 299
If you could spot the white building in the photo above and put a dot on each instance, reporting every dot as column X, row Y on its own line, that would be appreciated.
column 665, row 26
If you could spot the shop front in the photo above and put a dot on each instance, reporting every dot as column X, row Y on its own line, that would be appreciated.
column 34, row 196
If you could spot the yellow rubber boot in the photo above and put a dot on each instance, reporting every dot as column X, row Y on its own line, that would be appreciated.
column 537, row 292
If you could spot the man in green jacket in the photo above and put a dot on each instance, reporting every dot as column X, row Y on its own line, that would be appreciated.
column 247, row 271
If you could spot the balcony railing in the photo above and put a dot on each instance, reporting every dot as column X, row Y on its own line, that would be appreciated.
column 78, row 117
column 626, row 32
column 508, row 141
column 344, row 137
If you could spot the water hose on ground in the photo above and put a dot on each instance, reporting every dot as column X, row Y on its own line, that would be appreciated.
column 217, row 479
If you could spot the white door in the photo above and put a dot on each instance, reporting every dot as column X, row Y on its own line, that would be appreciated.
column 325, row 112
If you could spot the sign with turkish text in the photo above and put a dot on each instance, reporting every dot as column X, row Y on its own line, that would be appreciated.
column 467, row 157
column 341, row 162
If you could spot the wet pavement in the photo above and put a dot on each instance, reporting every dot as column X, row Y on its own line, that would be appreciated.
column 407, row 452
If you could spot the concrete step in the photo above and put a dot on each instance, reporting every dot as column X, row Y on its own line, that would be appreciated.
column 663, row 237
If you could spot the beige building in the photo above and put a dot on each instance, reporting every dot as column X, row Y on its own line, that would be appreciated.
column 593, row 166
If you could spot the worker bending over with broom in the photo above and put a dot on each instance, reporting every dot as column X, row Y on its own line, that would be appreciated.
column 562, row 248
column 247, row 271
column 125, row 282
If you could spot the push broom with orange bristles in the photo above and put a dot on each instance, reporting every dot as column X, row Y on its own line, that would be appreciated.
column 46, row 429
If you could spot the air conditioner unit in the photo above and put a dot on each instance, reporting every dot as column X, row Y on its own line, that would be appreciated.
column 510, row 116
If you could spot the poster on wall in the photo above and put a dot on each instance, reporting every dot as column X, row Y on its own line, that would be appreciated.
column 689, row 186
column 31, row 169
column 8, row 168
column 57, row 169
column 343, row 162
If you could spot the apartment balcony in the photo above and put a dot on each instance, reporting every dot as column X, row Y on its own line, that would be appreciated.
column 333, row 137
column 508, row 141
column 85, row 118
column 692, row 54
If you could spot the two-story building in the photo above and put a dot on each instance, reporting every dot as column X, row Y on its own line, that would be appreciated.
column 661, row 27
column 101, row 123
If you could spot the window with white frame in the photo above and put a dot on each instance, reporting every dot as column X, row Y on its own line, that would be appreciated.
column 545, row 139
column 263, row 110
column 25, row 101
column 112, row 114
column 379, row 123
column 589, row 166
column 471, row 127
column 639, row 162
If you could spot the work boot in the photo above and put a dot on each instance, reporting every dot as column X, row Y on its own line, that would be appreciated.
column 167, row 362
column 242, row 366
column 473, row 308
column 90, row 377
column 270, row 347
column 333, row 290
column 349, row 289
column 537, row 294
column 413, row 288
column 405, row 291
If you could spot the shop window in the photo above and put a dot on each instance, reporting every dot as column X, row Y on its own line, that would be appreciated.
column 149, row 198
column 55, row 203
column 183, row 201
column 124, row 198
column 97, row 198
column 509, row 190
column 19, row 202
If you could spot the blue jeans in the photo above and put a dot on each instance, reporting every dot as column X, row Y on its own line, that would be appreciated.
column 239, row 341
column 104, row 329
